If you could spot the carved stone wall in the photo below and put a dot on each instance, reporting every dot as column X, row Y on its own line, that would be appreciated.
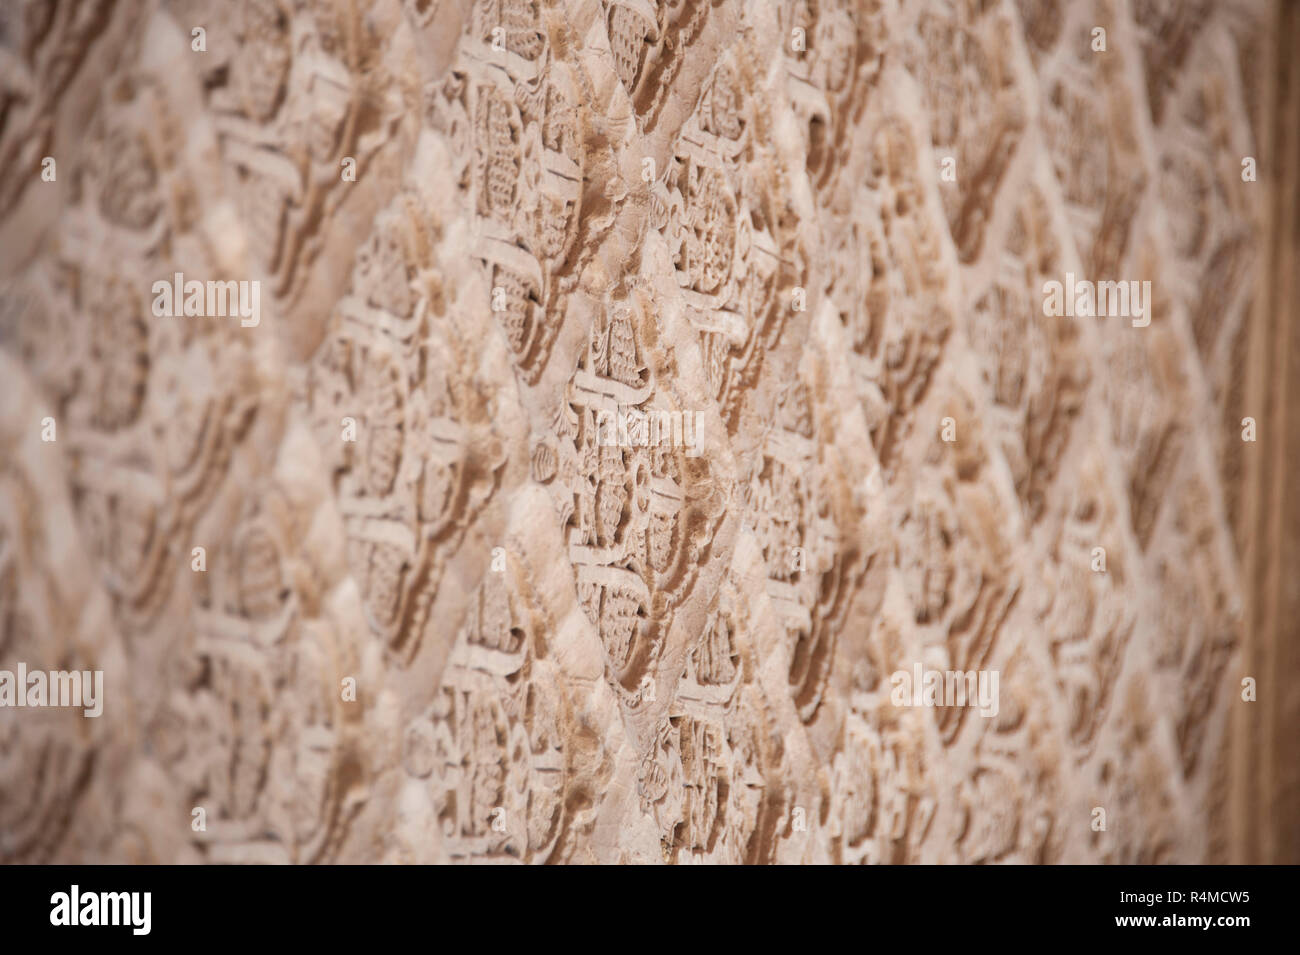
column 438, row 616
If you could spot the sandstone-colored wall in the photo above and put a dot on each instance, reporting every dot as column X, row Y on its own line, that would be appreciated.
column 564, row 651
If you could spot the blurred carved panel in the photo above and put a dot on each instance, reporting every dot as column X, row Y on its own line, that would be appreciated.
column 614, row 396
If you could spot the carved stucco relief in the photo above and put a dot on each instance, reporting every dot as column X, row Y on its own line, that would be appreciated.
column 442, row 617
